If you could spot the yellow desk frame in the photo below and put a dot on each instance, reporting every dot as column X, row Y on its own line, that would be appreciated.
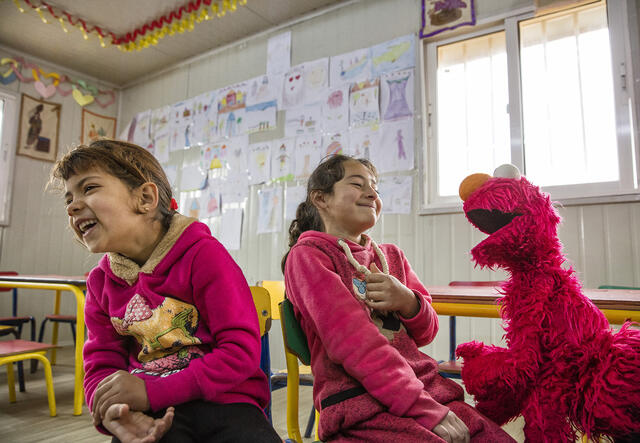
column 78, row 390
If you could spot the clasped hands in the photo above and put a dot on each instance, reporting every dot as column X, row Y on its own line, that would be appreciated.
column 118, row 403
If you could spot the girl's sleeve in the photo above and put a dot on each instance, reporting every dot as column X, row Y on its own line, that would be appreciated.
column 422, row 327
column 105, row 351
column 351, row 340
column 226, row 307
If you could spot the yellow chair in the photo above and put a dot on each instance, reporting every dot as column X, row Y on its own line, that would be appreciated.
column 262, row 301
column 12, row 351
column 295, row 374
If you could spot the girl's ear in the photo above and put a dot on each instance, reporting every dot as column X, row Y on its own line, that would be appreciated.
column 318, row 200
column 148, row 197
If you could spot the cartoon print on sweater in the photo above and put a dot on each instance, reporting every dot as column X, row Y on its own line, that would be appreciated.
column 165, row 333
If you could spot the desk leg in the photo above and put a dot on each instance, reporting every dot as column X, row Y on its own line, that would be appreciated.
column 78, row 391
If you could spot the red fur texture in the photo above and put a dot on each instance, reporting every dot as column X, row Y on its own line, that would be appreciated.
column 564, row 369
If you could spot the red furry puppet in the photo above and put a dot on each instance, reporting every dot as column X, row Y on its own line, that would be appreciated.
column 564, row 369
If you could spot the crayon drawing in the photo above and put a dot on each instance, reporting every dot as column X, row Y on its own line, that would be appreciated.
column 396, row 96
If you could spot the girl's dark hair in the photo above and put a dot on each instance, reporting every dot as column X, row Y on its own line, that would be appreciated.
column 130, row 163
column 326, row 174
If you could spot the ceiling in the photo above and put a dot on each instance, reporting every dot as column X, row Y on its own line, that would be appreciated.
column 27, row 33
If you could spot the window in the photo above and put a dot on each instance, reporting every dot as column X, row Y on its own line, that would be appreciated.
column 538, row 92
column 8, row 130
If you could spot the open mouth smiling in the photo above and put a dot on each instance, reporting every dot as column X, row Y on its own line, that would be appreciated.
column 489, row 221
column 85, row 226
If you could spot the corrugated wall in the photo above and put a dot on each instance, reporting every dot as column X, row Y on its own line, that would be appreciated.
column 601, row 241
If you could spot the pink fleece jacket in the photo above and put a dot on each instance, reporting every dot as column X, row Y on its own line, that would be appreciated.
column 352, row 347
column 184, row 322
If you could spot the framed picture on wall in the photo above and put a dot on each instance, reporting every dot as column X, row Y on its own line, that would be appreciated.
column 95, row 126
column 38, row 129
column 443, row 15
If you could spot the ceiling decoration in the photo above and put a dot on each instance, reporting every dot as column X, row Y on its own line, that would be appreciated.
column 179, row 20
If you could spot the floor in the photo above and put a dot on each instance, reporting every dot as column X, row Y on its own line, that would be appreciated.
column 28, row 419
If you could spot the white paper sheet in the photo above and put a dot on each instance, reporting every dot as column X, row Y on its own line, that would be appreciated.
column 364, row 105
column 259, row 162
column 282, row 159
column 396, row 146
column 393, row 55
column 335, row 110
column 231, row 228
column 395, row 192
column 303, row 120
column 351, row 67
column 308, row 154
column 270, row 210
column 294, row 196
column 396, row 95
column 279, row 53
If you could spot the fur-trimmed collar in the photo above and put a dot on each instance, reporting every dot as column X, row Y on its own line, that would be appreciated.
column 128, row 270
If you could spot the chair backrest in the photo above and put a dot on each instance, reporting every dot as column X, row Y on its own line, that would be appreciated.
column 14, row 309
column 475, row 283
column 262, row 300
column 295, row 340
column 276, row 291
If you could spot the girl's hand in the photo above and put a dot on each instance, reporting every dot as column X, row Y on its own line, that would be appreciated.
column 119, row 387
column 385, row 293
column 452, row 429
column 136, row 427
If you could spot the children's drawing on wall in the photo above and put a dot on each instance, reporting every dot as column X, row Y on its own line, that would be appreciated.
column 279, row 53
column 231, row 228
column 141, row 128
column 95, row 126
column 180, row 125
column 396, row 146
column 160, row 121
column 231, row 111
column 335, row 110
column 259, row 162
column 364, row 142
column 38, row 128
column 193, row 178
column 444, row 15
column 237, row 159
column 303, row 120
column 161, row 148
column 396, row 96
column 393, row 55
column 316, row 80
column 270, row 210
column 192, row 207
column 364, row 106
column 261, row 117
column 263, row 89
column 294, row 195
column 282, row 159
column 204, row 111
column 396, row 193
column 214, row 155
column 234, row 189
column 336, row 143
column 308, row 154
column 350, row 67
column 210, row 201
column 293, row 88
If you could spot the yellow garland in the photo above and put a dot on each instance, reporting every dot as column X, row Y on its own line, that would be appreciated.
column 219, row 9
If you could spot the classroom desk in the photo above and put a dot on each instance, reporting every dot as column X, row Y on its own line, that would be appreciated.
column 618, row 305
column 58, row 283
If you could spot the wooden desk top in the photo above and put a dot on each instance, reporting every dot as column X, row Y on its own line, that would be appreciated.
column 77, row 280
column 619, row 299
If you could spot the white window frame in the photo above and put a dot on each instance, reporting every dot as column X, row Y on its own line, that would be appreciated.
column 626, row 99
column 8, row 151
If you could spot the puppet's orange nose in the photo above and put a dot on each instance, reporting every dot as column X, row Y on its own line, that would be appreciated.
column 471, row 183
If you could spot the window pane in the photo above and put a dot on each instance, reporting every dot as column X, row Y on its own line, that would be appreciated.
column 567, row 99
column 472, row 97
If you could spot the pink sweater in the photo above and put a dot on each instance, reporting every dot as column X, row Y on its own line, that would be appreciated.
column 184, row 322
column 352, row 348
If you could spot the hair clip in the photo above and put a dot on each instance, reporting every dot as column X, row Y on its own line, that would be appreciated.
column 174, row 204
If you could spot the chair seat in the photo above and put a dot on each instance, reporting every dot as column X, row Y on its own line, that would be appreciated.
column 15, row 319
column 451, row 367
column 14, row 347
column 60, row 317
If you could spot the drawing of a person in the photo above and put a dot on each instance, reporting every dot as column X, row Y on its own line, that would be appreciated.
column 401, row 153
column 35, row 126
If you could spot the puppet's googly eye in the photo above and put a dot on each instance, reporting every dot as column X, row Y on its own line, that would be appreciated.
column 507, row 171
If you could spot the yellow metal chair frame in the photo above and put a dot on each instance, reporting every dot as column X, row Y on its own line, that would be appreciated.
column 262, row 301
column 78, row 390
column 18, row 350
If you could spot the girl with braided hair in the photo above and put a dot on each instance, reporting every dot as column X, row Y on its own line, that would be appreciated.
column 365, row 312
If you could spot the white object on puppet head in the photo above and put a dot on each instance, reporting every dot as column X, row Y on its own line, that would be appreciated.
column 507, row 171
